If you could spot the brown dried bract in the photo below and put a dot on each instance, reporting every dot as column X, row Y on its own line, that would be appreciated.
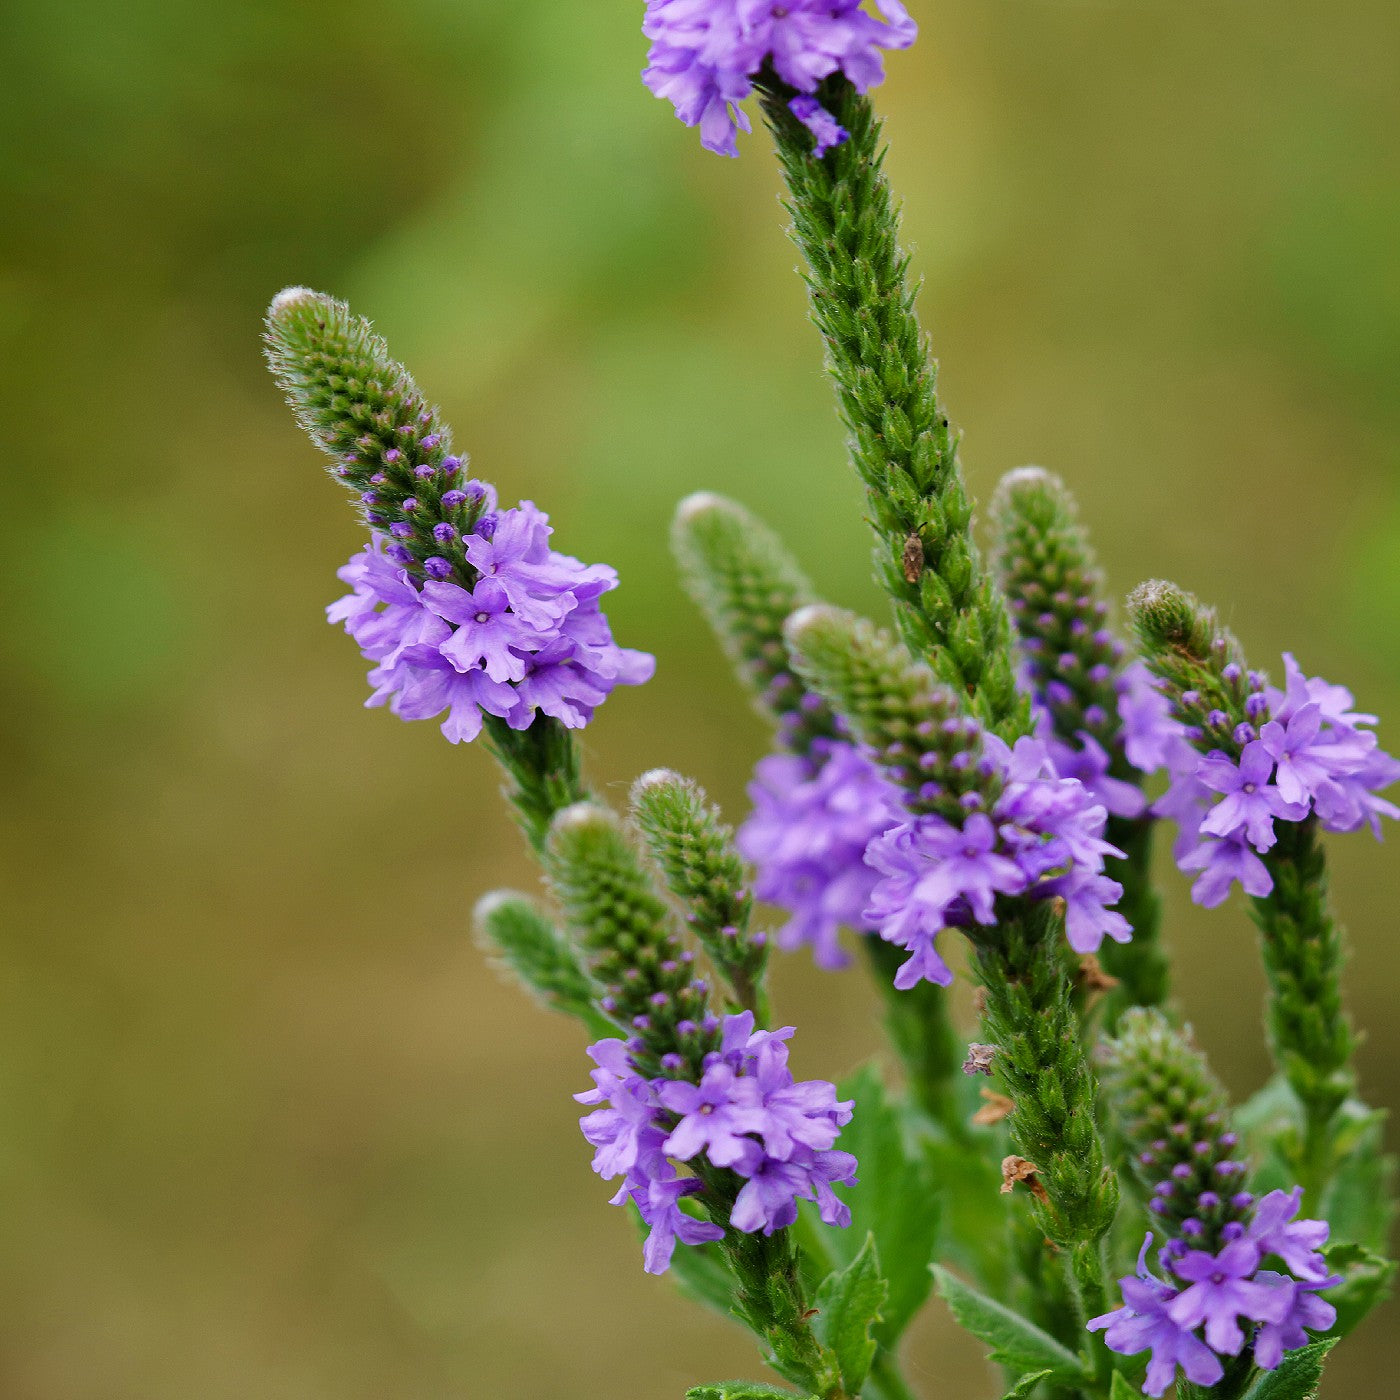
column 1092, row 978
column 1014, row 1169
column 979, row 1059
column 997, row 1107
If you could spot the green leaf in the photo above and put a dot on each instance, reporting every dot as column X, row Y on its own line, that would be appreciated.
column 1026, row 1384
column 1358, row 1202
column 701, row 1273
column 1122, row 1388
column 738, row 1390
column 1366, row 1280
column 1271, row 1123
column 1013, row 1341
column 897, row 1201
column 1297, row 1376
column 848, row 1304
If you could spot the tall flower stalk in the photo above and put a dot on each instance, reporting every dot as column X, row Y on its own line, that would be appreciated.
column 983, row 776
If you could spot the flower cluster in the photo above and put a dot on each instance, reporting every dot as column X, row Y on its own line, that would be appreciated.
column 812, row 819
column 1211, row 1291
column 1297, row 752
column 746, row 1115
column 705, row 55
column 516, row 629
column 1042, row 837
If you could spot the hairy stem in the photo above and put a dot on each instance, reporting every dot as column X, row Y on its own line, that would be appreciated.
column 1031, row 1017
column 1303, row 951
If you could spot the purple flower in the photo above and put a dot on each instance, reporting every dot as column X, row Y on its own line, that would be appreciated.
column 740, row 1044
column 1250, row 802
column 517, row 555
column 1305, row 761
column 705, row 54
column 486, row 629
column 1334, row 701
column 1222, row 1290
column 1152, row 739
column 826, row 130
column 561, row 688
column 1296, row 1242
column 1043, row 838
column 1089, row 919
column 1220, row 864
column 932, row 869
column 625, row 1132
column 715, row 1114
column 658, row 1203
column 825, row 1170
column 1144, row 1323
column 794, row 1116
column 1089, row 764
column 1051, row 822
column 1305, row 1310
column 421, row 684
column 768, row 1199
column 807, row 834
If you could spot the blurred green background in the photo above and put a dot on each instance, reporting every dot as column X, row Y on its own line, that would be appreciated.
column 269, row 1126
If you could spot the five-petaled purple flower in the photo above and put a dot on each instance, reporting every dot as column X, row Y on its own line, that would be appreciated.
column 1250, row 801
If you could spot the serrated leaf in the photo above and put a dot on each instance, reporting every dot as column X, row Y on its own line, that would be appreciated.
column 1366, row 1280
column 1122, row 1388
column 739, row 1390
column 1026, row 1384
column 848, row 1305
column 1014, row 1341
column 896, row 1201
column 1297, row 1376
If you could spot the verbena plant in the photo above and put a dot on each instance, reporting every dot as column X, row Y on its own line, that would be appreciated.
column 994, row 764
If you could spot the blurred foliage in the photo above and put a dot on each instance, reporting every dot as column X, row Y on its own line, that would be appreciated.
column 268, row 1124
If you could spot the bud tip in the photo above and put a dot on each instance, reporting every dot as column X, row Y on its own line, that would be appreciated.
column 806, row 618
column 698, row 503
column 289, row 297
column 655, row 777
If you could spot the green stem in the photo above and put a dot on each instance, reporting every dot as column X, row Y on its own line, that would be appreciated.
column 542, row 766
column 1310, row 1034
column 769, row 1296
column 923, row 1036
column 1141, row 966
